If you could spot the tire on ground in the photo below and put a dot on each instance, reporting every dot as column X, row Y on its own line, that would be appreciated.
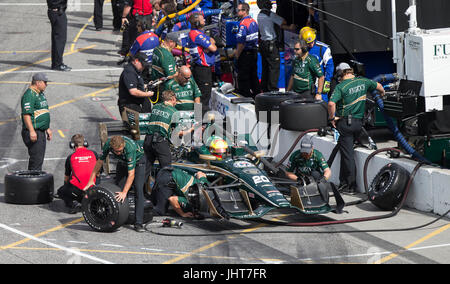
column 387, row 188
column 29, row 187
column 270, row 101
column 301, row 114
column 100, row 209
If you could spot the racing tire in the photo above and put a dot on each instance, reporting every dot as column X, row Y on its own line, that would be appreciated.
column 270, row 101
column 387, row 188
column 29, row 187
column 100, row 209
column 148, row 213
column 302, row 114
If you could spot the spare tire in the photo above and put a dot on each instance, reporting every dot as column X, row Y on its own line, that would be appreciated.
column 100, row 209
column 387, row 188
column 302, row 114
column 271, row 101
column 29, row 187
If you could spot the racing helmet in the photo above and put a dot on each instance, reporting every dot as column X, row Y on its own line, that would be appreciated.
column 217, row 147
column 307, row 34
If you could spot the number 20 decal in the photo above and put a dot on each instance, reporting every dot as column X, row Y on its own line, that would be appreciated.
column 259, row 179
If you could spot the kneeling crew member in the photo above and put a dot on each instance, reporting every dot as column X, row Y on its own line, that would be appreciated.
column 131, row 85
column 346, row 112
column 305, row 70
column 172, row 186
column 130, row 152
column 78, row 169
column 309, row 162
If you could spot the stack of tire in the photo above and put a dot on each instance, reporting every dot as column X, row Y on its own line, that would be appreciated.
column 103, row 213
column 29, row 187
column 295, row 113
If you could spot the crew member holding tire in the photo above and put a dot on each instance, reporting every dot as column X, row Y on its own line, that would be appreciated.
column 305, row 70
column 36, row 121
column 308, row 161
column 132, row 153
column 346, row 112
column 78, row 168
column 171, row 187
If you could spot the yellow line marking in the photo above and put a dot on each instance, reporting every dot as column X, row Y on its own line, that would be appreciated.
column 44, row 60
column 93, row 94
column 42, row 234
column 61, row 133
column 72, row 47
column 393, row 255
column 181, row 257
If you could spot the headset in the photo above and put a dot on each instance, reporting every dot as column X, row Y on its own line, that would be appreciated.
column 72, row 143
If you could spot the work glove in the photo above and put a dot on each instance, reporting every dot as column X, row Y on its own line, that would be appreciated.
column 326, row 87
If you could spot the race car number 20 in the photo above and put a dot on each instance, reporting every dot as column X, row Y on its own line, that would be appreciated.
column 260, row 179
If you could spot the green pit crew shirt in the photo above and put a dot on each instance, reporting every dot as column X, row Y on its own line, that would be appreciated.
column 299, row 165
column 132, row 152
column 161, row 119
column 163, row 63
column 35, row 104
column 185, row 94
column 305, row 73
column 183, row 181
column 350, row 96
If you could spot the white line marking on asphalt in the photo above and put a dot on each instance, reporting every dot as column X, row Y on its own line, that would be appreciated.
column 68, row 250
column 111, row 245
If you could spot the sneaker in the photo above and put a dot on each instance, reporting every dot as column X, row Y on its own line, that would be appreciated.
column 139, row 228
column 350, row 191
column 75, row 208
column 62, row 67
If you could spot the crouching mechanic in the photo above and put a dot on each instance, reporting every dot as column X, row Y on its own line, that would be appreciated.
column 171, row 187
column 78, row 168
column 308, row 161
column 130, row 152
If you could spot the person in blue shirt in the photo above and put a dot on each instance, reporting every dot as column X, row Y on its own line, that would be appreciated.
column 145, row 42
column 202, row 49
column 246, row 53
column 323, row 53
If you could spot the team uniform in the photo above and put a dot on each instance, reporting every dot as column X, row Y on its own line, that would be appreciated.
column 156, row 143
column 350, row 99
column 305, row 72
column 146, row 42
column 301, row 166
column 202, row 62
column 141, row 8
column 133, row 158
column 35, row 104
column 78, row 167
column 185, row 94
column 58, row 20
column 322, row 52
column 248, row 82
column 171, row 182
column 163, row 63
column 180, row 26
